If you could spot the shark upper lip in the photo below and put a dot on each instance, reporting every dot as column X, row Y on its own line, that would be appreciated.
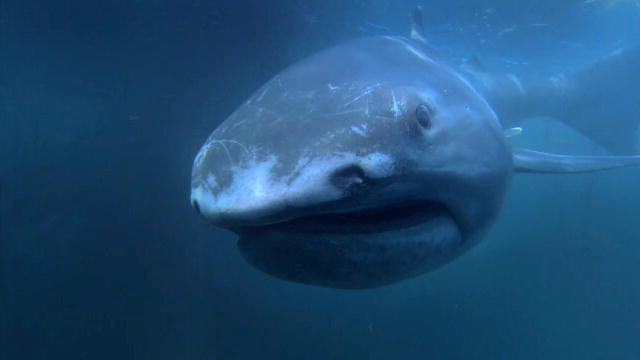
column 369, row 220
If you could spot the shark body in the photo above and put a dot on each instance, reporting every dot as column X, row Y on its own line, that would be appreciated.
column 369, row 163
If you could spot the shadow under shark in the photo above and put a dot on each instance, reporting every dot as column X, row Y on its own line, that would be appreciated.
column 375, row 161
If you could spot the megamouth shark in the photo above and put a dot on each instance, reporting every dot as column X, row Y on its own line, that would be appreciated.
column 375, row 160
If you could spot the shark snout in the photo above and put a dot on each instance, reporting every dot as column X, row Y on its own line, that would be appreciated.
column 258, row 201
column 259, row 195
column 230, row 210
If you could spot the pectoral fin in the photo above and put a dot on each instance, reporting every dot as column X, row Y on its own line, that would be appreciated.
column 531, row 161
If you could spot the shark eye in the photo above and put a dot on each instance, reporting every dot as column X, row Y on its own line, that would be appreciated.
column 424, row 113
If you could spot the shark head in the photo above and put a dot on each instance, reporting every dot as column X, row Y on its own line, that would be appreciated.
column 363, row 165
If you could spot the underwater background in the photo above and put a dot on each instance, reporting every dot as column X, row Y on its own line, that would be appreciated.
column 104, row 104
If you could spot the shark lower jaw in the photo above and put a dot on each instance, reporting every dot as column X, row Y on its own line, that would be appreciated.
column 361, row 249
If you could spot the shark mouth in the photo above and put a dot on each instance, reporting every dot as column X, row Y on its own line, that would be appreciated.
column 371, row 220
column 360, row 249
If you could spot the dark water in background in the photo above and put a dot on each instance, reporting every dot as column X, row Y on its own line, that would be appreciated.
column 103, row 106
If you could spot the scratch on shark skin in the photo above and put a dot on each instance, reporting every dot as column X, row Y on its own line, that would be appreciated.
column 259, row 99
column 260, row 111
column 347, row 112
column 517, row 82
column 395, row 107
column 411, row 49
column 358, row 131
column 368, row 91
column 270, row 112
column 300, row 165
column 279, row 83
column 417, row 53
column 222, row 143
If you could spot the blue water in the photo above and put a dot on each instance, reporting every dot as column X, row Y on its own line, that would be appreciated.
column 103, row 106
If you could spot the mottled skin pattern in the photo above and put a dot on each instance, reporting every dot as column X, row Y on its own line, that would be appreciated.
column 337, row 133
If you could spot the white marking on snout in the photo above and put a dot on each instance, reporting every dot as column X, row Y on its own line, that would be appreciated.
column 211, row 181
column 255, row 192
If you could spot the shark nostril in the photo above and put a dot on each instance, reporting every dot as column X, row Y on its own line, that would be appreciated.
column 348, row 176
column 196, row 206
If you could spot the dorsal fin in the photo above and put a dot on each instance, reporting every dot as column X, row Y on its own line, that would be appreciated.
column 417, row 25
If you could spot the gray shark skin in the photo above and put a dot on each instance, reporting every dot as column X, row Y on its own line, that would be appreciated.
column 582, row 99
column 363, row 165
